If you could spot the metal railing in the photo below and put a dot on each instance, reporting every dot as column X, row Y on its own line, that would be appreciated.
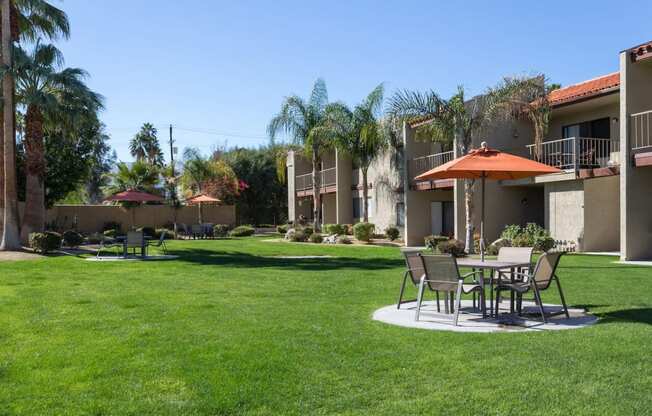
column 304, row 182
column 641, row 128
column 577, row 153
column 423, row 164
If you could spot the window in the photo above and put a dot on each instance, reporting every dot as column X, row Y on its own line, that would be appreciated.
column 357, row 207
column 400, row 214
column 597, row 129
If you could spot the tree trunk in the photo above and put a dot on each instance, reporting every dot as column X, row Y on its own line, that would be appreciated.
column 468, row 205
column 34, row 217
column 10, row 235
column 365, row 193
column 316, row 190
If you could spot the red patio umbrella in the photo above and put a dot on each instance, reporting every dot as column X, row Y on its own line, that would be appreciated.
column 199, row 200
column 132, row 195
column 488, row 163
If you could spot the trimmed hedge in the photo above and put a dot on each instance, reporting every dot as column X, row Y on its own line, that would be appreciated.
column 392, row 233
column 363, row 231
column 221, row 230
column 338, row 229
column 72, row 238
column 453, row 247
column 242, row 231
column 45, row 242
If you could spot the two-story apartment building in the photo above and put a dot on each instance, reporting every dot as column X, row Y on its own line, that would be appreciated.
column 599, row 136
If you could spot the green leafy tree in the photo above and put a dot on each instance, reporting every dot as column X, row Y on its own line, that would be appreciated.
column 138, row 176
column 208, row 175
column 360, row 134
column 304, row 122
column 46, row 91
column 144, row 146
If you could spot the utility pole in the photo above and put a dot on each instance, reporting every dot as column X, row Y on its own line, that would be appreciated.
column 173, row 184
column 171, row 150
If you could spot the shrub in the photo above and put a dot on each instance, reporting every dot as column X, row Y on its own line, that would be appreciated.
column 511, row 232
column 392, row 233
column 282, row 229
column 343, row 240
column 298, row 236
column 221, row 230
column 308, row 231
column 532, row 235
column 452, row 247
column 348, row 229
column 72, row 238
column 432, row 241
column 492, row 250
column 45, row 242
column 316, row 238
column 363, row 231
column 169, row 234
column 337, row 229
column 112, row 225
column 147, row 231
column 242, row 231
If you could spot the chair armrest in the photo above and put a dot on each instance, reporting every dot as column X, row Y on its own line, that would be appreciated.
column 464, row 276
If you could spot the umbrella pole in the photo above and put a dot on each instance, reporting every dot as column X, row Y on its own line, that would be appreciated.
column 482, row 220
column 200, row 213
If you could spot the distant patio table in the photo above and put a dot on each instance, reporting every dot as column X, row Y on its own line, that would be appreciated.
column 143, row 248
column 492, row 266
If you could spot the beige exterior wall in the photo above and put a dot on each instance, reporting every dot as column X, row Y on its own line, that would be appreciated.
column 602, row 107
column 329, row 208
column 91, row 218
column 564, row 210
column 635, row 183
column 602, row 214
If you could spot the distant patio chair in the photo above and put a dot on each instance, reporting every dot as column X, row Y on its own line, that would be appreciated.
column 197, row 231
column 514, row 255
column 414, row 272
column 109, row 243
column 160, row 243
column 442, row 274
column 135, row 240
column 541, row 279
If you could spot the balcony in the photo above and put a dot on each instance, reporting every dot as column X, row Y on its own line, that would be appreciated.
column 303, row 183
column 423, row 164
column 575, row 153
column 641, row 138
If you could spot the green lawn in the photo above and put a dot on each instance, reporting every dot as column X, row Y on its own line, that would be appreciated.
column 225, row 330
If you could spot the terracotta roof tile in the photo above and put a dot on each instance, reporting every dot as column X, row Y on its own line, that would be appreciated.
column 585, row 89
column 641, row 52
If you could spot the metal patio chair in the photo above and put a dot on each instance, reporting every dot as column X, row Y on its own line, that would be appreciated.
column 160, row 243
column 109, row 243
column 414, row 272
column 540, row 279
column 197, row 231
column 135, row 239
column 442, row 274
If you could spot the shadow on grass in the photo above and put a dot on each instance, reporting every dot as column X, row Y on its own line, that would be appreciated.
column 212, row 257
column 635, row 315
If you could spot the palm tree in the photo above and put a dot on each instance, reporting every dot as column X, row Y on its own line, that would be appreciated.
column 145, row 146
column 140, row 176
column 360, row 134
column 21, row 20
column 304, row 122
column 455, row 120
column 197, row 169
column 46, row 91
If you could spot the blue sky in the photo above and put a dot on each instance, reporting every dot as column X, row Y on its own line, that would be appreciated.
column 225, row 67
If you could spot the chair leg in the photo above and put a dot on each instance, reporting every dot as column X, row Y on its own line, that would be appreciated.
column 474, row 308
column 451, row 299
column 561, row 295
column 446, row 303
column 437, row 296
column 497, row 301
column 458, row 302
column 400, row 296
column 537, row 298
column 420, row 298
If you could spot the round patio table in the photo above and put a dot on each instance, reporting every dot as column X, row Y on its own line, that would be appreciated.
column 492, row 266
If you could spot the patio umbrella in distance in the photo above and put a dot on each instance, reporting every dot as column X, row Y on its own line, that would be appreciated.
column 485, row 163
column 132, row 195
column 199, row 200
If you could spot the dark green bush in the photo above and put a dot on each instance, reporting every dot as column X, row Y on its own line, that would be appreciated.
column 316, row 238
column 282, row 229
column 363, row 231
column 532, row 235
column 308, row 231
column 242, row 231
column 298, row 236
column 492, row 250
column 338, row 229
column 452, row 247
column 392, row 233
column 221, row 230
column 432, row 241
column 45, row 242
column 72, row 238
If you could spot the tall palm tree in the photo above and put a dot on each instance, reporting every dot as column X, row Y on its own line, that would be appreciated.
column 304, row 122
column 197, row 169
column 454, row 119
column 45, row 89
column 138, row 176
column 359, row 134
column 21, row 20
column 144, row 146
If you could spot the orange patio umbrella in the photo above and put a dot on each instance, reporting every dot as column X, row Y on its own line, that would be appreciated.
column 199, row 200
column 486, row 163
column 132, row 195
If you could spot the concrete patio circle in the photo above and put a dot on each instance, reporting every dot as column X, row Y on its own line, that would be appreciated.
column 131, row 258
column 471, row 320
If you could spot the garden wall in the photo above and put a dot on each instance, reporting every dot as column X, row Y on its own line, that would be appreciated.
column 91, row 218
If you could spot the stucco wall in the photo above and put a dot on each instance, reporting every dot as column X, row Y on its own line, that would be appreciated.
column 564, row 209
column 329, row 207
column 418, row 215
column 602, row 214
column 91, row 218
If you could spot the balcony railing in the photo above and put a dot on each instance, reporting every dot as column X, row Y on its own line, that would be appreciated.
column 577, row 153
column 423, row 164
column 641, row 128
column 304, row 182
